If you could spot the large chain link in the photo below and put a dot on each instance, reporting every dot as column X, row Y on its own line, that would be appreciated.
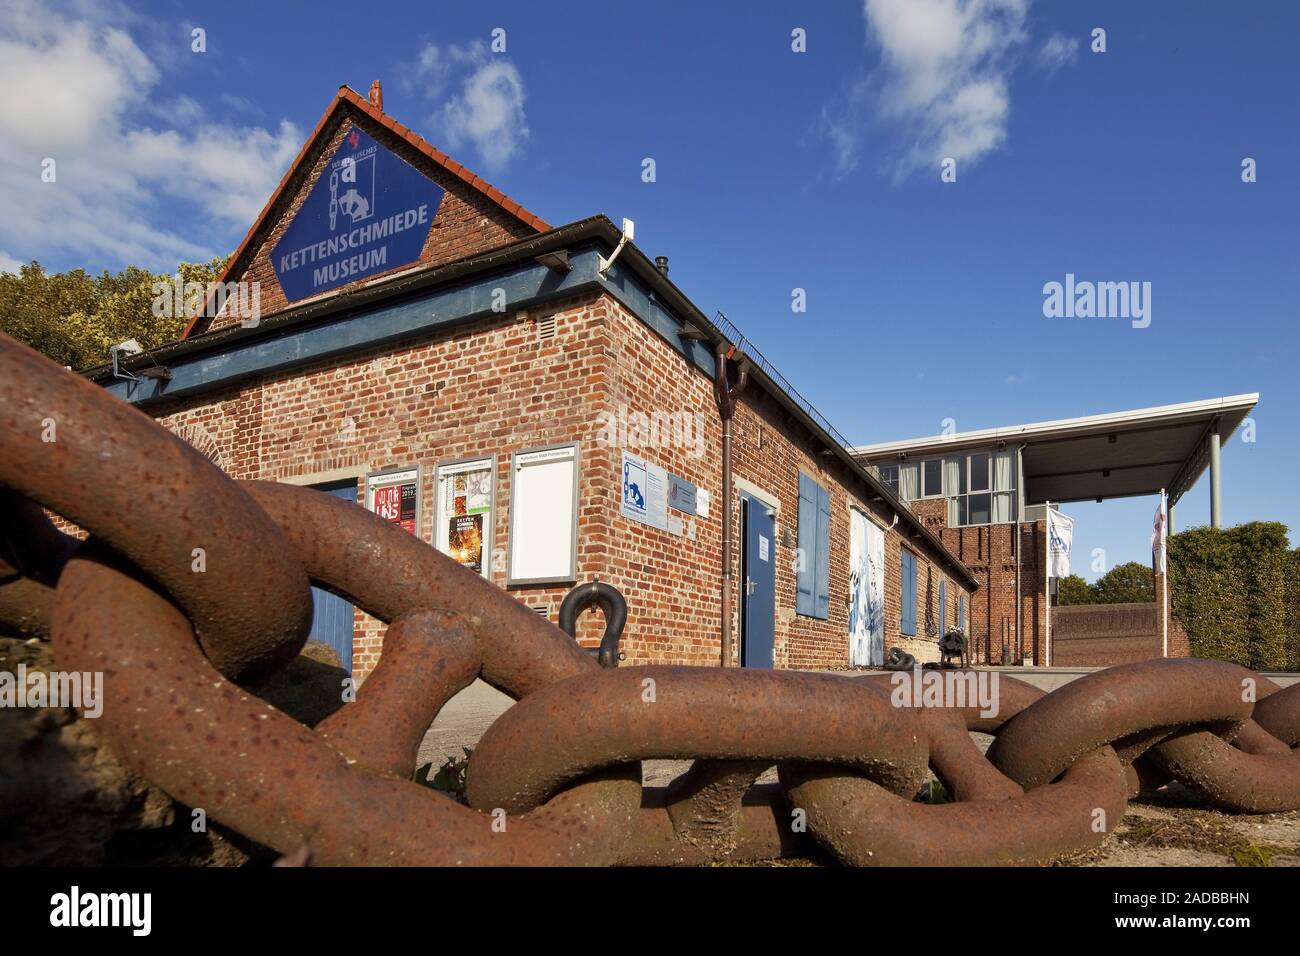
column 556, row 779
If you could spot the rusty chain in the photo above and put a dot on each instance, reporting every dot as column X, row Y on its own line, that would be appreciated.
column 556, row 779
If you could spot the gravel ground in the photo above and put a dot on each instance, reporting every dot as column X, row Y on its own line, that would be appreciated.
column 1175, row 828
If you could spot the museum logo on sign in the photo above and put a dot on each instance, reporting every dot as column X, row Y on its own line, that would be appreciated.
column 369, row 212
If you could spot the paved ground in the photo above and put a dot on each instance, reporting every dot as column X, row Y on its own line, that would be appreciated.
column 1176, row 829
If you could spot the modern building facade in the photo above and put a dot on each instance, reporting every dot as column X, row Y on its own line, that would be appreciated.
column 986, row 495
column 547, row 407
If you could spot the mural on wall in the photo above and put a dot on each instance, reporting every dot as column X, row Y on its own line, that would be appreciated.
column 866, row 592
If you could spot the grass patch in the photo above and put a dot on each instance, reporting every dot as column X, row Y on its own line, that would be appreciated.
column 1195, row 830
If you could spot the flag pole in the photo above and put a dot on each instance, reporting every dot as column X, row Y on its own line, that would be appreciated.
column 1164, row 560
column 1047, row 592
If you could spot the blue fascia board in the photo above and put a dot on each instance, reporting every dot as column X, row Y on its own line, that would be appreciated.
column 525, row 286
column 641, row 302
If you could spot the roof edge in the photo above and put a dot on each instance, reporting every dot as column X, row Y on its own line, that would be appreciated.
column 1052, row 428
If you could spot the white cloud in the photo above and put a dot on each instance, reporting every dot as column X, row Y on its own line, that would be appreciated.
column 141, row 178
column 486, row 109
column 942, row 84
column 8, row 263
column 1057, row 52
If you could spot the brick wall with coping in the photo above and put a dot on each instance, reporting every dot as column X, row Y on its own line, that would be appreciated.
column 495, row 387
column 679, row 579
column 989, row 552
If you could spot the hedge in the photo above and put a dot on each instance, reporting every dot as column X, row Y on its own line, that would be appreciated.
column 1236, row 592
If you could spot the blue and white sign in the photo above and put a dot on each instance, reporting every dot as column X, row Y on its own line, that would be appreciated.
column 645, row 493
column 369, row 212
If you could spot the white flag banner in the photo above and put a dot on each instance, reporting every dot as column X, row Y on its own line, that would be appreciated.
column 1159, row 536
column 1060, row 541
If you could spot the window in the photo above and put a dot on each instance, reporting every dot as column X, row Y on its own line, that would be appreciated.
column 543, row 516
column 889, row 475
column 932, row 478
column 981, row 488
column 907, row 617
column 465, row 509
column 812, row 577
column 909, row 481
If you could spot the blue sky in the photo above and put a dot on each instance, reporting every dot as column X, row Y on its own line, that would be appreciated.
column 774, row 170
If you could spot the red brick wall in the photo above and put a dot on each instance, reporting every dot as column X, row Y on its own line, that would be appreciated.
column 678, row 580
column 1102, row 635
column 989, row 552
column 466, row 223
column 494, row 388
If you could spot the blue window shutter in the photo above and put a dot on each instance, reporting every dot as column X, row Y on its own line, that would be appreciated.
column 907, row 624
column 943, row 608
column 822, row 579
column 805, row 573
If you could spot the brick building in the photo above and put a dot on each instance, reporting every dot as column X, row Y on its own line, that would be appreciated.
column 546, row 406
column 986, row 494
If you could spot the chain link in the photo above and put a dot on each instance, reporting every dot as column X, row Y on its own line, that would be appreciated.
column 556, row 779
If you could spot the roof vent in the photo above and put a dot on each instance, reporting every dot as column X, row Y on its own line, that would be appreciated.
column 546, row 327
column 377, row 96
column 661, row 263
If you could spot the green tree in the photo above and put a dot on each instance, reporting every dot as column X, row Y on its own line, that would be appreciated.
column 73, row 318
column 1129, row 583
column 1075, row 590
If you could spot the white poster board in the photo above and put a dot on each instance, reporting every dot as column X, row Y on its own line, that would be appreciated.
column 543, row 516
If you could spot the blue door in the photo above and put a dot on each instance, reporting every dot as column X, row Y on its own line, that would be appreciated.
column 758, row 583
column 331, row 618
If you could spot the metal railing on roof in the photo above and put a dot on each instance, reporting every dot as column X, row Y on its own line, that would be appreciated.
column 738, row 339
column 755, row 356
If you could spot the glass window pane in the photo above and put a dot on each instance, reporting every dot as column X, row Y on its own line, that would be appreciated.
column 1004, row 471
column 961, row 511
column 932, row 475
column 909, row 481
column 1002, row 507
column 889, row 475
column 954, row 477
column 978, row 509
column 979, row 472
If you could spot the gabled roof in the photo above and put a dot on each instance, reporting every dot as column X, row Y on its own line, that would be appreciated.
column 348, row 98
